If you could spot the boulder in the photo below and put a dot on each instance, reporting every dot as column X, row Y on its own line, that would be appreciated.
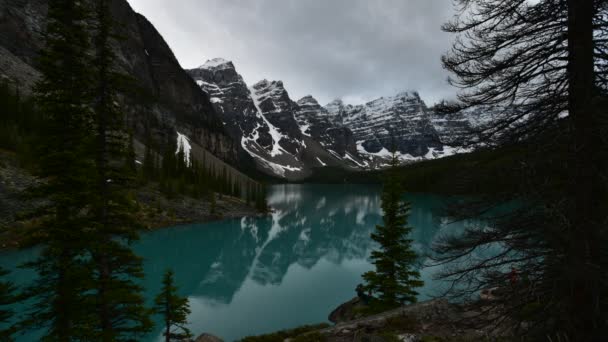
column 346, row 312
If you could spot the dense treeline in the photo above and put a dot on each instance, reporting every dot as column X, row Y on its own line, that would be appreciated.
column 73, row 134
column 20, row 121
column 204, row 177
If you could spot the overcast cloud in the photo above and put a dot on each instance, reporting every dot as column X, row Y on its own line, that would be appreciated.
column 356, row 50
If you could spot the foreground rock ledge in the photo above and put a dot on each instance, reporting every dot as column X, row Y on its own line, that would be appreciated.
column 435, row 318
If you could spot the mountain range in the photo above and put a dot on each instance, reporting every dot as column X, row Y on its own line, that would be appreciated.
column 246, row 128
column 289, row 138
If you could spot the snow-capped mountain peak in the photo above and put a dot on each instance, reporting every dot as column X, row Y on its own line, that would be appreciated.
column 217, row 63
column 289, row 138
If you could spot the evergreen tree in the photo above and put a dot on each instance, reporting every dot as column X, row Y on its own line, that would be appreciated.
column 7, row 297
column 117, row 298
column 63, row 96
column 174, row 309
column 395, row 277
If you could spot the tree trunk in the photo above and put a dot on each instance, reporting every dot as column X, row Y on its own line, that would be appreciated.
column 583, row 289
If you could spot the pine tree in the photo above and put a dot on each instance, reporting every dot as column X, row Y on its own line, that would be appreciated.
column 63, row 96
column 395, row 277
column 174, row 309
column 7, row 297
column 117, row 298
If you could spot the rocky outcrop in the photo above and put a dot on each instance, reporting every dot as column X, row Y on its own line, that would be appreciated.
column 433, row 320
column 316, row 122
column 346, row 311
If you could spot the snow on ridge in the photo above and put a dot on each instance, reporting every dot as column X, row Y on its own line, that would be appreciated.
column 278, row 169
column 304, row 129
column 433, row 153
column 184, row 145
column 215, row 63
column 274, row 131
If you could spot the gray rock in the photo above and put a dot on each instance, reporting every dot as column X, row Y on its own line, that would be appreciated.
column 346, row 311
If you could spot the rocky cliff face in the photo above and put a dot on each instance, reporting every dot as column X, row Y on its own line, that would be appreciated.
column 266, row 121
column 317, row 122
column 166, row 101
column 401, row 122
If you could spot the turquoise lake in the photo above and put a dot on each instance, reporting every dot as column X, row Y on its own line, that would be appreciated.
column 257, row 275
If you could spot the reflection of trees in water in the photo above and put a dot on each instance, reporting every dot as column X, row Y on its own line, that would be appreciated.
column 304, row 228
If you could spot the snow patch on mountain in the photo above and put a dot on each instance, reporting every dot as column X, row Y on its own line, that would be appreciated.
column 183, row 145
column 274, row 132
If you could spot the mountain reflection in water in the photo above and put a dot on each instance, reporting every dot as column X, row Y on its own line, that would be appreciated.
column 258, row 275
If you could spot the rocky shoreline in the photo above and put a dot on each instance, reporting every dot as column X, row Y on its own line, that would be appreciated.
column 156, row 210
column 430, row 321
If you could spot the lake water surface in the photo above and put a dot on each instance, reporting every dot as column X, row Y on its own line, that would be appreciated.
column 257, row 275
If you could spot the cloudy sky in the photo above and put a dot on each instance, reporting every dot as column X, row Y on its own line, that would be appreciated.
column 356, row 50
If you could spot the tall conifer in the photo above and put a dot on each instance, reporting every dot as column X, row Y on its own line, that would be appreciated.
column 395, row 276
column 64, row 97
column 174, row 310
column 119, row 309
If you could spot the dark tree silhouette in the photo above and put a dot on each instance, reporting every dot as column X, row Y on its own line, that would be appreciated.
column 544, row 65
column 118, row 300
column 66, row 164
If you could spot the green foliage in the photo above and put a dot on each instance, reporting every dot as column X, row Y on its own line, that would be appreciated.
column 493, row 171
column 20, row 122
column 174, row 309
column 63, row 149
column 117, row 299
column 87, row 274
column 395, row 277
column 305, row 333
column 374, row 307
